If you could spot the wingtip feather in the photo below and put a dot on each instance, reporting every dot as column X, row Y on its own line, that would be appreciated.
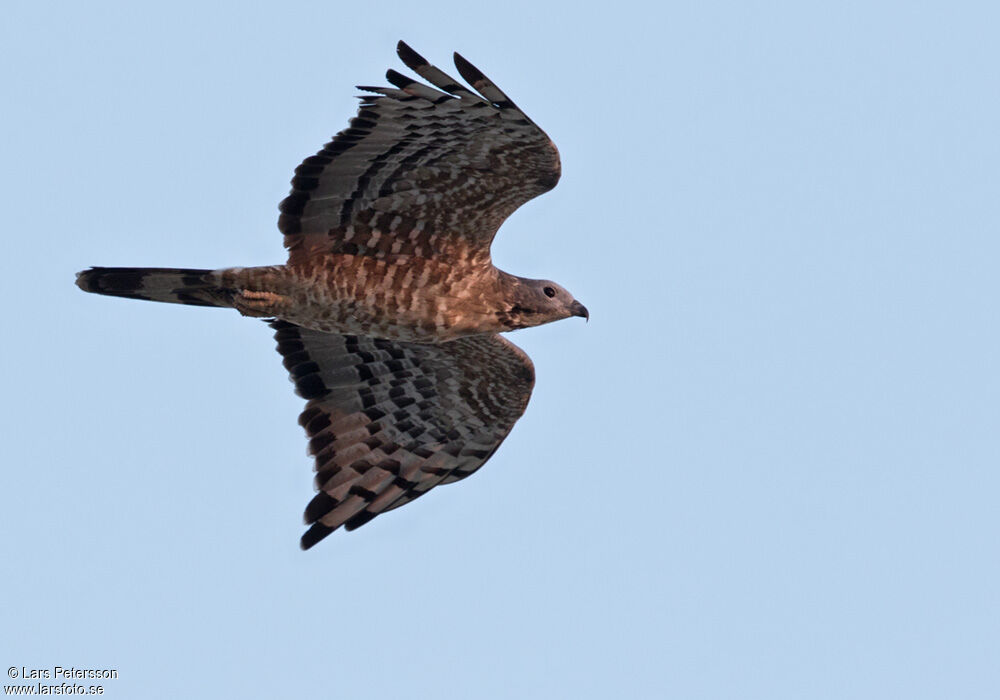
column 468, row 71
column 398, row 79
column 410, row 57
column 313, row 535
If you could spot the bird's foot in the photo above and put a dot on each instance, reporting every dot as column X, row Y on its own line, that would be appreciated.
column 260, row 304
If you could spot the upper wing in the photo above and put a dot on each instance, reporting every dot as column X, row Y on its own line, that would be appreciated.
column 419, row 171
column 388, row 421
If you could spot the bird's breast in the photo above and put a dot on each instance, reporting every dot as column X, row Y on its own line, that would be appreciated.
column 411, row 300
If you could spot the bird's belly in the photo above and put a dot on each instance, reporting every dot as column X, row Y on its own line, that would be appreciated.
column 432, row 319
column 354, row 318
column 421, row 301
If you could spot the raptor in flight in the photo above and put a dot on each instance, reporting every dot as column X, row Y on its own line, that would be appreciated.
column 388, row 311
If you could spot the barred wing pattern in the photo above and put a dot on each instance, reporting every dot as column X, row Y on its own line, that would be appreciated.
column 388, row 421
column 420, row 171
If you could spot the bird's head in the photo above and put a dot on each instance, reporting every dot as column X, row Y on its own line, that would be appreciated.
column 535, row 302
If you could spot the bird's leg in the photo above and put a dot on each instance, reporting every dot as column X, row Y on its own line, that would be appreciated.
column 260, row 304
column 256, row 291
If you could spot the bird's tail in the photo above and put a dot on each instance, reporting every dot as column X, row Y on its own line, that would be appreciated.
column 172, row 285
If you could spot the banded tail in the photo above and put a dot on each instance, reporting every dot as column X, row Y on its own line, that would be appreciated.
column 171, row 285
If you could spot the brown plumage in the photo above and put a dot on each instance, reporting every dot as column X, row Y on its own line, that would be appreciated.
column 387, row 311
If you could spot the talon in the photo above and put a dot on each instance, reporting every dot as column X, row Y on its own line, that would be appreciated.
column 259, row 304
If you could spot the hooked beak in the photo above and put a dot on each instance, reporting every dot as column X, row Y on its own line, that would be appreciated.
column 579, row 309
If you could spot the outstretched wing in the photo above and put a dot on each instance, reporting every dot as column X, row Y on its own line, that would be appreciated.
column 388, row 421
column 420, row 171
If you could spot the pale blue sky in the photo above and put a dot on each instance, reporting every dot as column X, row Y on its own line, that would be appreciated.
column 767, row 467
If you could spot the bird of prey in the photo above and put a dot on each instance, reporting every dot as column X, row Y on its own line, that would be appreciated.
column 388, row 311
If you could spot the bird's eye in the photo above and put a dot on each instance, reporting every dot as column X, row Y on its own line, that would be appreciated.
column 549, row 292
